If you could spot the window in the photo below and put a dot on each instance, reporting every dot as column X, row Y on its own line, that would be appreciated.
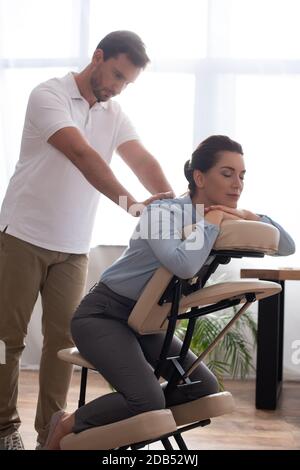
column 39, row 29
column 267, row 121
column 169, row 29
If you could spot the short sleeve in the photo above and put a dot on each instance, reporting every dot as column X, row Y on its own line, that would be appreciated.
column 48, row 111
column 126, row 131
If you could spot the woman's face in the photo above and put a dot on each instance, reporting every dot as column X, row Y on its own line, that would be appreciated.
column 223, row 183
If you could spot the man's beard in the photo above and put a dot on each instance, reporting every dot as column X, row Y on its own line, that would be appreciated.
column 96, row 90
column 101, row 94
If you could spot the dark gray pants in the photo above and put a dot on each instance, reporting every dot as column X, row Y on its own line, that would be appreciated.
column 126, row 360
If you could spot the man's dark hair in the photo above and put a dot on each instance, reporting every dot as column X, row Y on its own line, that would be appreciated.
column 124, row 42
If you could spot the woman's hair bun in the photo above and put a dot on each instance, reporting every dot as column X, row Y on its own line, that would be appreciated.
column 188, row 171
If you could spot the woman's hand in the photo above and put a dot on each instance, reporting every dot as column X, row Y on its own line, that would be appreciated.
column 237, row 213
column 216, row 216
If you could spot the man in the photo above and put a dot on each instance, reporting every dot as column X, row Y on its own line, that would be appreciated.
column 71, row 130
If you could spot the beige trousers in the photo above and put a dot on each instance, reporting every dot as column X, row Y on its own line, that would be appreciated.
column 26, row 270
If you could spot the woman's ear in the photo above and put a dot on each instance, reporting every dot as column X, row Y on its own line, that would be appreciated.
column 199, row 179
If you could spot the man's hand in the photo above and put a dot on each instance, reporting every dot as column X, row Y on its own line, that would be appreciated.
column 237, row 213
column 137, row 208
column 165, row 195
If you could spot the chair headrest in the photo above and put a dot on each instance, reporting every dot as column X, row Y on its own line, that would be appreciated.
column 246, row 235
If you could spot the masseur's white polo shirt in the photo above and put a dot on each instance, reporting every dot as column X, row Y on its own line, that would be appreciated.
column 49, row 203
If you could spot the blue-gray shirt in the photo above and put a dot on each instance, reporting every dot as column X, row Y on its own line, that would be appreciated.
column 158, row 240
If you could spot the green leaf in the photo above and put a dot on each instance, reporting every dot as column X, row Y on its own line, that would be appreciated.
column 233, row 353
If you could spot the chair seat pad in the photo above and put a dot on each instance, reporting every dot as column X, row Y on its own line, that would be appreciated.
column 73, row 356
column 229, row 290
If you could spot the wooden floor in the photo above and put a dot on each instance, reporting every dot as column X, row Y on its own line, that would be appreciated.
column 245, row 428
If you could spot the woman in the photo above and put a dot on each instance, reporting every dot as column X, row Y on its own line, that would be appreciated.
column 99, row 327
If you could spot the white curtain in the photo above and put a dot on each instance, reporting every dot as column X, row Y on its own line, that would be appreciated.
column 218, row 66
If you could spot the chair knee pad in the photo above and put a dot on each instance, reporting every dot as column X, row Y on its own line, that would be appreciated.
column 139, row 428
column 203, row 408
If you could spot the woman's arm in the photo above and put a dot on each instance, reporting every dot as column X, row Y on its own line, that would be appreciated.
column 184, row 258
column 286, row 244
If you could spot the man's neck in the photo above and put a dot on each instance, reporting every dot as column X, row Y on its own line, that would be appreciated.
column 83, row 83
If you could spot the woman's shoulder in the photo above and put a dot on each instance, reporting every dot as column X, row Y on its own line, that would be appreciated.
column 178, row 203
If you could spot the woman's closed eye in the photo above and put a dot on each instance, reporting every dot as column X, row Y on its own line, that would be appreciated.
column 229, row 174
